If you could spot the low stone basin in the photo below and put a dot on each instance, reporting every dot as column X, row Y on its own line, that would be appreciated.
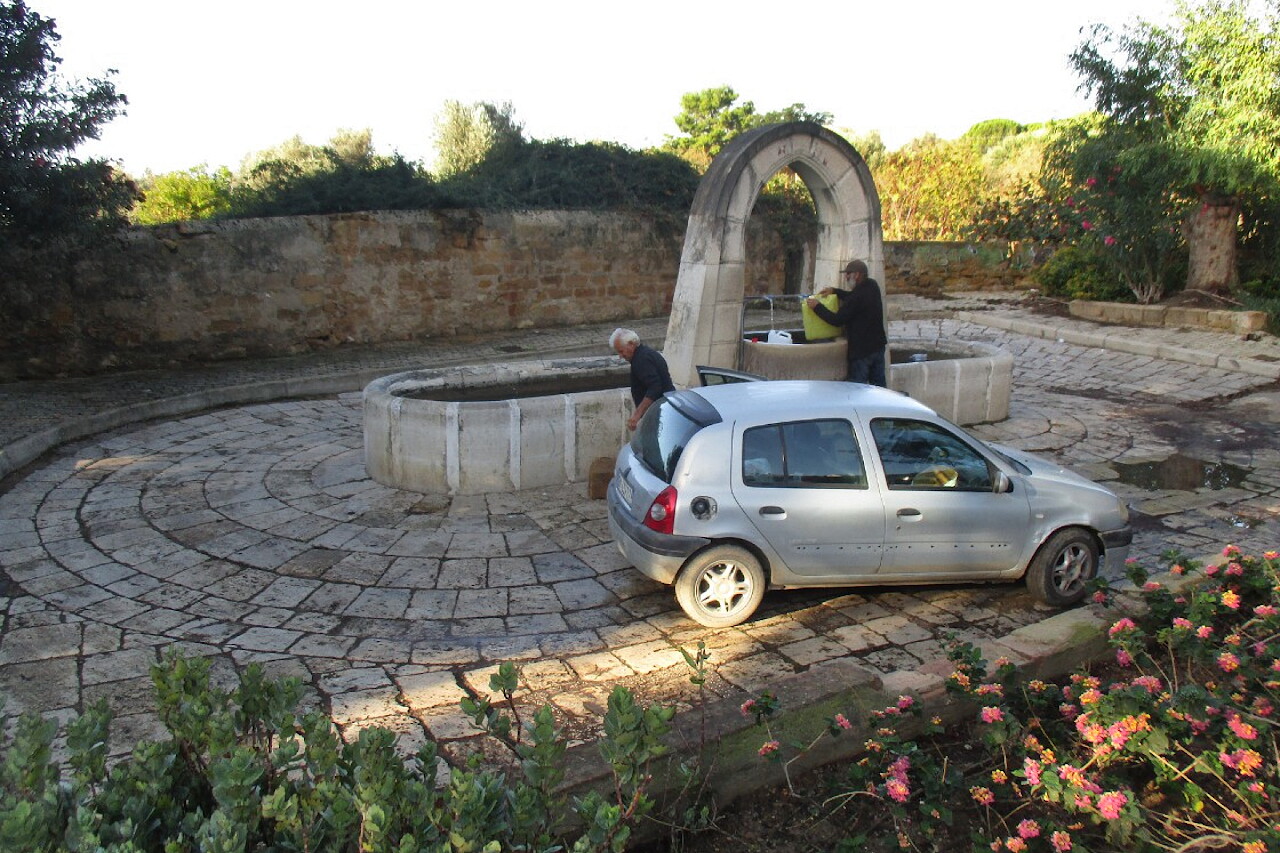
column 528, row 424
column 467, row 430
column 966, row 382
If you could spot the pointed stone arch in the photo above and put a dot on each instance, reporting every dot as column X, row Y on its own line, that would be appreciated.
column 706, row 311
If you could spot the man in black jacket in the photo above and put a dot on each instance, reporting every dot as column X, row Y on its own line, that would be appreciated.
column 650, row 378
column 861, row 313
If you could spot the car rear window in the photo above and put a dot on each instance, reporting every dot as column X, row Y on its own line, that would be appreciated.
column 665, row 431
column 803, row 454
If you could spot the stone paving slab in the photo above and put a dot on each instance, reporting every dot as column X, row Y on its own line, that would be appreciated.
column 251, row 533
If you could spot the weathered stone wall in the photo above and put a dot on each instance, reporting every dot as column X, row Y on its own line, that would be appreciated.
column 922, row 267
column 263, row 287
column 205, row 291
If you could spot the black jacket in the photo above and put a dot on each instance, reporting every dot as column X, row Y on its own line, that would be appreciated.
column 861, row 314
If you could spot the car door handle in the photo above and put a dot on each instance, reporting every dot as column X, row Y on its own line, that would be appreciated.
column 908, row 512
column 772, row 510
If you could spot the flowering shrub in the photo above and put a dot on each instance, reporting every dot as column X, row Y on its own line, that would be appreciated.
column 1170, row 745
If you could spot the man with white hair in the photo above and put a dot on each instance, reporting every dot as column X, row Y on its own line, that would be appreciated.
column 650, row 378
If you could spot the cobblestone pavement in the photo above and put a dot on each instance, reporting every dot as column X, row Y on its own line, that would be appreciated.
column 252, row 533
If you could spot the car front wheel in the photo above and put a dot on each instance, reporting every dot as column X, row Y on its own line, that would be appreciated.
column 721, row 586
column 1062, row 568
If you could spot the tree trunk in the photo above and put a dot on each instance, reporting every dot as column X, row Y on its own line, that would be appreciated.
column 1211, row 241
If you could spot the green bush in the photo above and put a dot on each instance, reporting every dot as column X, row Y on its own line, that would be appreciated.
column 282, row 188
column 1076, row 273
column 559, row 174
column 244, row 770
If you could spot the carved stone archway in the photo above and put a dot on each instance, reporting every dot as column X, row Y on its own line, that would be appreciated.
column 706, row 311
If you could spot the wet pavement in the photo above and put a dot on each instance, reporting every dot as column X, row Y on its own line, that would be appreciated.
column 249, row 532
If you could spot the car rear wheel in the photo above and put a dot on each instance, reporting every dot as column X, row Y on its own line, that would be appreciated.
column 721, row 586
column 1062, row 568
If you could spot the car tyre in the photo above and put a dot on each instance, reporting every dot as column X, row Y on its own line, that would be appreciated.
column 721, row 586
column 1060, row 572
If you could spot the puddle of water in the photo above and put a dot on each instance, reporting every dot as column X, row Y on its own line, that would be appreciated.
column 1183, row 473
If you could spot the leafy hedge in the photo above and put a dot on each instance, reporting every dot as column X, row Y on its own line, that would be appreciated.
column 245, row 770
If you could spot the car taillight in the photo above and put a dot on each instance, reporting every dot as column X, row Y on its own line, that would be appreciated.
column 661, row 516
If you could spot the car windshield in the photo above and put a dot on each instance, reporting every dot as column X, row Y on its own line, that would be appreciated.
column 661, row 437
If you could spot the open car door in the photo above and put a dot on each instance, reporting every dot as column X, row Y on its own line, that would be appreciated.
column 724, row 375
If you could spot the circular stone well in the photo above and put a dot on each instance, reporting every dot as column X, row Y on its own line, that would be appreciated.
column 503, row 441
column 970, row 386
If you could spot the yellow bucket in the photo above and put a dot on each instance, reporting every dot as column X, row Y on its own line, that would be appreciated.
column 815, row 328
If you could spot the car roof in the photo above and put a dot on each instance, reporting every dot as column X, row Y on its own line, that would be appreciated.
column 806, row 398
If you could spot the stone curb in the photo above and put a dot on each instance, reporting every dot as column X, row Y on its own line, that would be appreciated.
column 1121, row 340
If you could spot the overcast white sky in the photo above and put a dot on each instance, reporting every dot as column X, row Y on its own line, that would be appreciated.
column 209, row 82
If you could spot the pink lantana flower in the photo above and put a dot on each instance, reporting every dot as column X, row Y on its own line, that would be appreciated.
column 1122, row 625
column 1110, row 804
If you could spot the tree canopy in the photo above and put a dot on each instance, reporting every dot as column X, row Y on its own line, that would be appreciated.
column 467, row 133
column 44, row 192
column 710, row 118
column 1199, row 100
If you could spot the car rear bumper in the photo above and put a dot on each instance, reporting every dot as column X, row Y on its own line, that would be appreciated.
column 656, row 555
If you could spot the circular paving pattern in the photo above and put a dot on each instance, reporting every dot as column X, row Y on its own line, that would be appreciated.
column 254, row 533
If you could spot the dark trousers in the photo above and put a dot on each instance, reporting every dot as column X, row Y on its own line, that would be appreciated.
column 869, row 369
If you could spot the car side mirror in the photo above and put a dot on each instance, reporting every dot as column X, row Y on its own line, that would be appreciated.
column 1002, row 484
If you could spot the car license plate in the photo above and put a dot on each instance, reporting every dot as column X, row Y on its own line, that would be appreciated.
column 624, row 489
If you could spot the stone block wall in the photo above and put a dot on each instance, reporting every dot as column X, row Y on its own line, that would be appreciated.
column 918, row 267
column 1123, row 313
column 205, row 291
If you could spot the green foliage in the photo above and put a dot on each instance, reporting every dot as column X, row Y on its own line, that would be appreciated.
column 1173, row 747
column 47, row 196
column 985, row 135
column 244, row 770
column 929, row 190
column 870, row 145
column 1108, row 193
column 1073, row 272
column 709, row 119
column 1209, row 85
column 467, row 134
column 279, row 188
column 567, row 175
column 1196, row 106
column 195, row 193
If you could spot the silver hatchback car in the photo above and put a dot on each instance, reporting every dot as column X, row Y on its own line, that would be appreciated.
column 725, row 491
